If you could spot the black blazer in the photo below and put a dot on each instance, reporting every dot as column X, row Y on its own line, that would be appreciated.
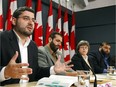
column 98, row 61
column 8, row 47
column 79, row 63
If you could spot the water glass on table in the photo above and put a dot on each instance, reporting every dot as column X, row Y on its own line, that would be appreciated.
column 110, row 70
column 83, row 78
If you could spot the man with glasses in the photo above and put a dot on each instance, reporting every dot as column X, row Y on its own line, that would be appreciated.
column 19, row 54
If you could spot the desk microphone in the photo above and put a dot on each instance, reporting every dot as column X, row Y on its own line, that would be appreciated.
column 95, row 82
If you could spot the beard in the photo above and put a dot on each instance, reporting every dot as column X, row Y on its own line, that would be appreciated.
column 104, row 53
column 22, row 30
column 53, row 47
column 27, row 34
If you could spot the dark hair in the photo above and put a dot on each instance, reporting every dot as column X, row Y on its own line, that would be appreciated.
column 104, row 43
column 53, row 34
column 82, row 42
column 19, row 11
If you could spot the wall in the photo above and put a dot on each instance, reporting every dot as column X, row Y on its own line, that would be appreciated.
column 97, row 25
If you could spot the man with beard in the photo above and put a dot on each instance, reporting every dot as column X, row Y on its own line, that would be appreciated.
column 101, row 58
column 48, row 55
column 19, row 54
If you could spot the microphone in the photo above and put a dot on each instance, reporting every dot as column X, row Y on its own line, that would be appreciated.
column 95, row 81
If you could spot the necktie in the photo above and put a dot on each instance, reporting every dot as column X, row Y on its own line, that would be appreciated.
column 106, row 62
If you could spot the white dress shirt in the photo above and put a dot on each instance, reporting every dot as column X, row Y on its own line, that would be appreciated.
column 24, row 58
column 86, row 60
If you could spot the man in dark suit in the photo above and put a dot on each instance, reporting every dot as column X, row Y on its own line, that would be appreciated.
column 101, row 58
column 19, row 54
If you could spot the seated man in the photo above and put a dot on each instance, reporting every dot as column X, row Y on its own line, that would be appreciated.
column 101, row 58
column 19, row 54
column 48, row 55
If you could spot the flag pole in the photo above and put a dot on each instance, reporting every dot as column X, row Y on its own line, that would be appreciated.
column 66, row 3
column 59, row 2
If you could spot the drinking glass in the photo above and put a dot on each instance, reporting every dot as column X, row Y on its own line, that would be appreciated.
column 83, row 78
column 110, row 70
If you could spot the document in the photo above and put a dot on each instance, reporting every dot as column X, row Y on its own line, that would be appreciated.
column 57, row 81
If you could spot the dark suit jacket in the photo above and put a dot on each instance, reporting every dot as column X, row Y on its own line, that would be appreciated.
column 98, row 61
column 8, row 47
column 79, row 63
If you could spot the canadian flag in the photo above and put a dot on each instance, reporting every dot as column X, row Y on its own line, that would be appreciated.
column 72, row 36
column 49, row 27
column 66, row 37
column 58, row 23
column 28, row 3
column 11, row 8
column 1, row 17
column 38, row 31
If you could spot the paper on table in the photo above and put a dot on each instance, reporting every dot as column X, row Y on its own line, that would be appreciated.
column 57, row 80
column 62, row 78
column 101, row 76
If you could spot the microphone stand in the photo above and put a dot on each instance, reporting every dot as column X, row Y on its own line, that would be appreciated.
column 95, row 81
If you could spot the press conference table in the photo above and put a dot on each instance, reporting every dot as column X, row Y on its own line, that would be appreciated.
column 100, row 76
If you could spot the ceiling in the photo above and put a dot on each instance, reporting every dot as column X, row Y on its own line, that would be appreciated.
column 92, row 4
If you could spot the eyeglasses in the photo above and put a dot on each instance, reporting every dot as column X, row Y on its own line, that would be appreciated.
column 27, row 18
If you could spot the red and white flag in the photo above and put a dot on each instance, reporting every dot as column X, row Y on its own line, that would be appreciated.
column 58, row 23
column 38, row 31
column 1, row 16
column 66, row 37
column 11, row 8
column 49, row 27
column 72, row 36
column 28, row 3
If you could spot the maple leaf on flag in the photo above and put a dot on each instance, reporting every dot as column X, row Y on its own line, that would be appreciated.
column 11, row 8
column 38, row 35
column 66, row 37
column 72, row 35
column 38, row 30
column 66, row 41
column 49, row 26
column 58, row 24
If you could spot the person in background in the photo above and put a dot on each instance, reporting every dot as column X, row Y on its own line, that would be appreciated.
column 48, row 55
column 19, row 54
column 101, row 58
column 81, row 60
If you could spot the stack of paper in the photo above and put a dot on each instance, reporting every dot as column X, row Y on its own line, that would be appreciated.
column 57, row 81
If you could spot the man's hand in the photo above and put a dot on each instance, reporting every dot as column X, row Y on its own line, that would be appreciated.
column 62, row 67
column 15, row 70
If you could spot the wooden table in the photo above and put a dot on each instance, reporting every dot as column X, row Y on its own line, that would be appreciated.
column 30, row 84
column 33, row 84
